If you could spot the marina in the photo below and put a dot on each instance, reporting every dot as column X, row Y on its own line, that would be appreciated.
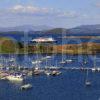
column 42, row 76
column 46, row 65
column 72, row 81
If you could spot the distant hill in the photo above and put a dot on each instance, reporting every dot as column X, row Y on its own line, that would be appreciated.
column 86, row 29
column 26, row 28
column 83, row 29
column 57, row 30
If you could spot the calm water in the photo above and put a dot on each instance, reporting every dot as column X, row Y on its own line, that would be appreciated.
column 67, row 86
column 58, row 37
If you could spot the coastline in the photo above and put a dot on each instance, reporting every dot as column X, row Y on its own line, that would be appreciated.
column 10, row 47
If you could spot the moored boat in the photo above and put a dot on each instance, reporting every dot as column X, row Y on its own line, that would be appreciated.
column 26, row 86
column 13, row 77
column 87, row 82
column 55, row 72
column 37, row 71
column 37, row 61
column 47, row 72
column 69, row 61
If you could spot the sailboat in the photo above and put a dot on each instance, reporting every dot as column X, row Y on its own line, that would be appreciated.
column 85, row 61
column 69, row 60
column 37, row 70
column 87, row 82
column 63, row 61
column 55, row 72
column 94, row 68
column 47, row 71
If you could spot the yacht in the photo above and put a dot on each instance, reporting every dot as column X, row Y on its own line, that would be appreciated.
column 93, row 69
column 26, row 86
column 55, row 72
column 63, row 62
column 12, row 59
column 69, row 60
column 66, row 61
column 37, row 71
column 14, row 77
column 37, row 61
column 47, row 57
column 48, row 72
column 87, row 82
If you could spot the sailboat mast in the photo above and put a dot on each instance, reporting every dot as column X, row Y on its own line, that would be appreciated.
column 87, row 75
column 56, row 63
column 37, row 64
column 62, row 45
column 95, row 60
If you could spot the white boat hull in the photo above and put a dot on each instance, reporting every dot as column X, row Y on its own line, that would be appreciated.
column 14, row 78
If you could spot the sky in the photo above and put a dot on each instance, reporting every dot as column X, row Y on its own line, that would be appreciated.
column 55, row 13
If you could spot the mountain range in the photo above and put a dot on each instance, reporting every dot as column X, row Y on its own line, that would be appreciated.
column 84, row 29
column 26, row 28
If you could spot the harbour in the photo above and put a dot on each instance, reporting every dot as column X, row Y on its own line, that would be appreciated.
column 46, row 75
column 67, row 84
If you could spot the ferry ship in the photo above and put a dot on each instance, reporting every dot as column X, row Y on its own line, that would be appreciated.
column 41, row 39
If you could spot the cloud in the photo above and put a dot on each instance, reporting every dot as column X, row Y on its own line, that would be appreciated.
column 68, row 14
column 18, row 7
column 37, row 11
column 30, row 9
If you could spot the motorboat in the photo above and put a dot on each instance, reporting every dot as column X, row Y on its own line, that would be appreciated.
column 88, row 83
column 12, row 60
column 55, row 72
column 47, row 57
column 26, row 86
column 14, row 77
column 37, row 61
column 66, row 61
column 63, row 62
column 69, row 61
column 48, row 72
column 93, row 69
column 36, row 71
